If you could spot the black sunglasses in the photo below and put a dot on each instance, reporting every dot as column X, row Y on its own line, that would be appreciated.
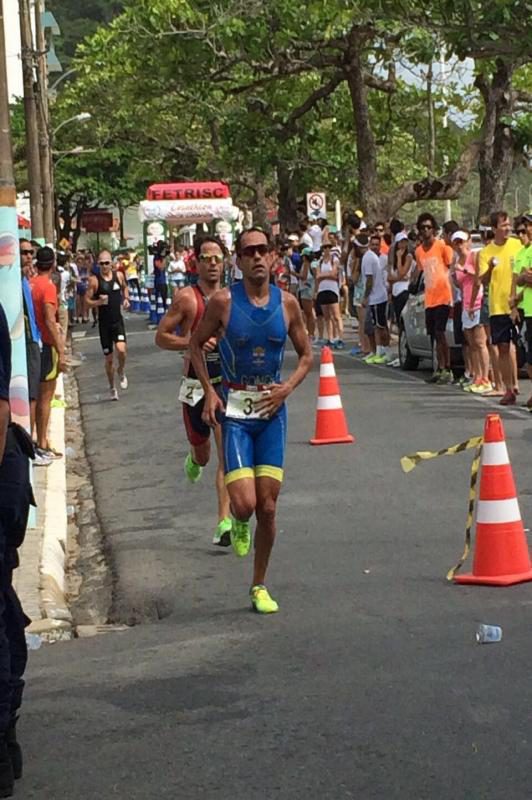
column 425, row 227
column 520, row 231
column 26, row 252
column 251, row 249
column 104, row 263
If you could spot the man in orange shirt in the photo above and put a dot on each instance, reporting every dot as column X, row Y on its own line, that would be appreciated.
column 433, row 258
column 44, row 296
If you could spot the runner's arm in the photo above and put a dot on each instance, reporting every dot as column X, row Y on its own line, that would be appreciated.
column 180, row 315
column 93, row 287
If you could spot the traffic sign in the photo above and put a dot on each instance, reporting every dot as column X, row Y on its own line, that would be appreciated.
column 316, row 204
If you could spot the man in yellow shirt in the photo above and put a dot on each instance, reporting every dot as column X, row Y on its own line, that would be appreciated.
column 496, row 262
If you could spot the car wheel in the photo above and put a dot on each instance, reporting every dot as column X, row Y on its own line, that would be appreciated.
column 406, row 359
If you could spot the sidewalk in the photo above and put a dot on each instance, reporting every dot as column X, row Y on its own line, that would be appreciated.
column 40, row 579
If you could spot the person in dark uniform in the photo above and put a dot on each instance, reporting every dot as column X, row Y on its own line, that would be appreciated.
column 16, row 496
column 108, row 291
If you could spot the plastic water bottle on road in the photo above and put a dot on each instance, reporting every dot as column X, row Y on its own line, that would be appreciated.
column 488, row 634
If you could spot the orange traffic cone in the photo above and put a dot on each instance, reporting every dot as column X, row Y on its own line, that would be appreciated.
column 501, row 551
column 331, row 425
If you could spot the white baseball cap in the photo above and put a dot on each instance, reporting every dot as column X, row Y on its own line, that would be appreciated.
column 401, row 236
column 460, row 236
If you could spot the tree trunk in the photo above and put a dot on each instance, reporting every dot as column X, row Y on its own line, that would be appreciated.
column 497, row 154
column 432, row 123
column 287, row 198
column 366, row 147
column 123, row 241
column 260, row 212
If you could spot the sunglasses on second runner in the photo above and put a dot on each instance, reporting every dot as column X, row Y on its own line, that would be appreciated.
column 104, row 263
column 251, row 249
column 206, row 259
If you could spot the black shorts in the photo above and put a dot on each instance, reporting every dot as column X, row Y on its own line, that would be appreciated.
column 436, row 319
column 111, row 332
column 49, row 363
column 528, row 323
column 328, row 297
column 502, row 329
column 457, row 324
column 198, row 432
column 378, row 315
column 33, row 356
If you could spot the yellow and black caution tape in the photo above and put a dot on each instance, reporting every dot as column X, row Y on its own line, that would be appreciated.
column 409, row 462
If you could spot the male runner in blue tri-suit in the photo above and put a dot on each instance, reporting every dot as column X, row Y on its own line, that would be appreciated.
column 252, row 320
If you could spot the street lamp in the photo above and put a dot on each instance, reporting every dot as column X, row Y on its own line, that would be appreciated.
column 76, row 151
column 83, row 116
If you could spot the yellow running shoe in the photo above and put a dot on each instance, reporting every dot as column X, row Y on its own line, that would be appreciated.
column 240, row 538
column 261, row 602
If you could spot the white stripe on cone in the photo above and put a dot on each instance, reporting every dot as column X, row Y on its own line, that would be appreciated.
column 327, row 371
column 494, row 454
column 498, row 511
column 330, row 402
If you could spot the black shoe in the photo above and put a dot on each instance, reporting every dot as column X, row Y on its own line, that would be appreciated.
column 7, row 778
column 14, row 749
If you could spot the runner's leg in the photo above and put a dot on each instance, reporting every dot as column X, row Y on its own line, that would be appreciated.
column 267, row 492
column 223, row 496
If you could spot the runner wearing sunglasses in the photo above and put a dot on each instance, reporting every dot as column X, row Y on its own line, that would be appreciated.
column 253, row 320
column 174, row 332
column 108, row 291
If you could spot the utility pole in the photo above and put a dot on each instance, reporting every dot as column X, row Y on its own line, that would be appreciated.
column 43, row 117
column 8, row 196
column 30, row 113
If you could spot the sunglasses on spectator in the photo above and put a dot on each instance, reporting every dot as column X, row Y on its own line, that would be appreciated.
column 26, row 252
column 425, row 227
column 520, row 231
column 206, row 258
column 104, row 263
column 251, row 249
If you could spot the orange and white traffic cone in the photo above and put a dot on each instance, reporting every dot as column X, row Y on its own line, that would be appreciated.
column 501, row 550
column 331, row 424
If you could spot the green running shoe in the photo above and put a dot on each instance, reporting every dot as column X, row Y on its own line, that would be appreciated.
column 240, row 538
column 193, row 471
column 222, row 536
column 261, row 602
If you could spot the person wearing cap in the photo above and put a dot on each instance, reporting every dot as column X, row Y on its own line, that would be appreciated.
column 521, row 297
column 45, row 302
column 496, row 262
column 464, row 273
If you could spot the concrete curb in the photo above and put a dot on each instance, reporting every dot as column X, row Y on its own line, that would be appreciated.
column 52, row 579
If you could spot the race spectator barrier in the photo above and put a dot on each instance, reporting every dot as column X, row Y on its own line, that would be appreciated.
column 331, row 424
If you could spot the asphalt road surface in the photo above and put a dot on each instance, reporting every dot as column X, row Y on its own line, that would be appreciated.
column 367, row 684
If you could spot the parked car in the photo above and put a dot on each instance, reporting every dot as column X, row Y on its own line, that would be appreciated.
column 414, row 342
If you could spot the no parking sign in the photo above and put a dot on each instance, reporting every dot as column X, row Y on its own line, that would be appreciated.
column 316, row 204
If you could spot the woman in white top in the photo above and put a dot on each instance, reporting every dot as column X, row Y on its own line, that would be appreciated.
column 399, row 275
column 328, row 298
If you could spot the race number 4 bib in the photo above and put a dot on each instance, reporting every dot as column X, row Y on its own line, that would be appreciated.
column 190, row 391
column 242, row 404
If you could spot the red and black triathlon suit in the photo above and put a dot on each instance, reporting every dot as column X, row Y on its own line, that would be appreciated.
column 198, row 431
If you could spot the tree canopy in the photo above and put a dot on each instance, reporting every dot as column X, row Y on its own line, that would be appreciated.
column 279, row 99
